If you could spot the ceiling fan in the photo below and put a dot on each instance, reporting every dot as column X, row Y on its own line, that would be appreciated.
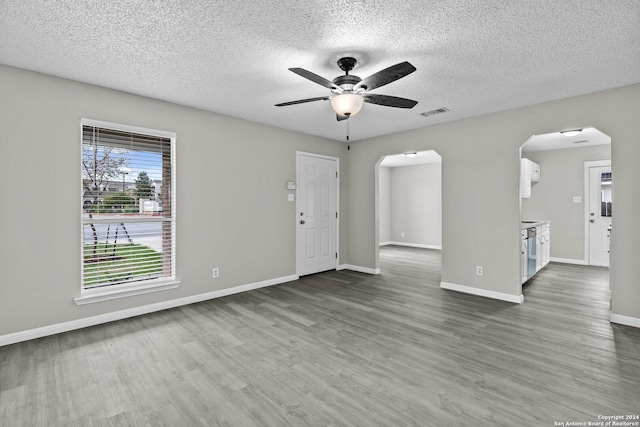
column 350, row 92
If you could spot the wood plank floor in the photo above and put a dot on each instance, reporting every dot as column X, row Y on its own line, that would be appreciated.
column 341, row 349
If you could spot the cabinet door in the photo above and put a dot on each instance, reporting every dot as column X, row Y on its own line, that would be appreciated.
column 547, row 247
column 535, row 172
column 539, row 251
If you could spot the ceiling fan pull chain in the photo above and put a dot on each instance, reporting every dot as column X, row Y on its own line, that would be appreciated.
column 348, row 146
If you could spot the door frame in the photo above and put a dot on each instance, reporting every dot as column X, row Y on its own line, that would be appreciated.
column 587, row 202
column 337, row 196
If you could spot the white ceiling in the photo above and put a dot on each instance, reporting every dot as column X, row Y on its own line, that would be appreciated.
column 558, row 141
column 231, row 57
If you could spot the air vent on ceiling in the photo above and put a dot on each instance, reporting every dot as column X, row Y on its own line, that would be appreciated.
column 582, row 141
column 434, row 112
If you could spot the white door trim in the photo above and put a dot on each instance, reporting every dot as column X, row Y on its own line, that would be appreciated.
column 318, row 156
column 587, row 202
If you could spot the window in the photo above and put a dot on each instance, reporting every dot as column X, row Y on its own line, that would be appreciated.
column 605, row 194
column 128, row 211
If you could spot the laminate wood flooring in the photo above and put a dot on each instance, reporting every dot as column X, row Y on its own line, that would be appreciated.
column 341, row 349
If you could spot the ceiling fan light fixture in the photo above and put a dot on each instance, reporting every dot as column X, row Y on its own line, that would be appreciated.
column 571, row 132
column 347, row 104
column 411, row 154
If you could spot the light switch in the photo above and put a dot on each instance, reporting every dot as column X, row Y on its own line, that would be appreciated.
column 291, row 197
column 291, row 185
column 577, row 199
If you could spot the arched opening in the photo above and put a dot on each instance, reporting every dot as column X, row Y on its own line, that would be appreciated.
column 556, row 189
column 409, row 209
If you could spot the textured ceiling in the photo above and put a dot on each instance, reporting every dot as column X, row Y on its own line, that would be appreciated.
column 231, row 57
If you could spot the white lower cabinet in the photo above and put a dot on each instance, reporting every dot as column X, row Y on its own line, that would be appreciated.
column 539, row 248
column 543, row 246
column 546, row 251
column 543, row 253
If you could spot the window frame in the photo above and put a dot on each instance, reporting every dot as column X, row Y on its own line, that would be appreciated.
column 110, row 292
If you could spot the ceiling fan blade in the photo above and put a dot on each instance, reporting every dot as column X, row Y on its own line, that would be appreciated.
column 389, row 101
column 386, row 76
column 340, row 117
column 314, row 78
column 302, row 101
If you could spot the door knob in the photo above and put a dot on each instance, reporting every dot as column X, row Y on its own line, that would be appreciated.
column 592, row 220
column 302, row 221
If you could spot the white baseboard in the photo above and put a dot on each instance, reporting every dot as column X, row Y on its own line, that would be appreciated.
column 359, row 269
column 519, row 299
column 568, row 261
column 132, row 312
column 412, row 245
column 624, row 320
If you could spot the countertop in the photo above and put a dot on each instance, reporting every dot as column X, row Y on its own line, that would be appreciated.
column 529, row 224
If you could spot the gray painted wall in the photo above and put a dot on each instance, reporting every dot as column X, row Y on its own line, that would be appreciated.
column 483, row 228
column 562, row 178
column 232, row 208
column 414, row 204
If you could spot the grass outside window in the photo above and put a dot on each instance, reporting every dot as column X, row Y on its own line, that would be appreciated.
column 110, row 264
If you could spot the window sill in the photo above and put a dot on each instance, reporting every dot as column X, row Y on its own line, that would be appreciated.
column 98, row 295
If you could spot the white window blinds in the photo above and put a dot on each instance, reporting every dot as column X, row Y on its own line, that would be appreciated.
column 128, row 228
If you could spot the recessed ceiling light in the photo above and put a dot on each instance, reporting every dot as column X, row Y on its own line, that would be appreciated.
column 571, row 132
column 411, row 154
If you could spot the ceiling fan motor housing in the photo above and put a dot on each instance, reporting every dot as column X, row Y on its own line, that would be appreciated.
column 347, row 82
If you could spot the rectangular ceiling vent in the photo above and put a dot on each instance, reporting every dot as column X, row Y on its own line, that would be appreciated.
column 434, row 112
column 582, row 141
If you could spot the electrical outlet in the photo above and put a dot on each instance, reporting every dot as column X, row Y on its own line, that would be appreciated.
column 479, row 270
column 216, row 273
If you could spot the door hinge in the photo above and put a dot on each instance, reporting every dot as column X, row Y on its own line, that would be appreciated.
column 336, row 214
column 336, row 174
column 336, row 255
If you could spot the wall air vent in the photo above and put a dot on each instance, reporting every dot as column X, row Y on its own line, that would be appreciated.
column 582, row 141
column 434, row 112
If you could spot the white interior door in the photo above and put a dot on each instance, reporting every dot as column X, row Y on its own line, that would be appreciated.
column 316, row 214
column 599, row 215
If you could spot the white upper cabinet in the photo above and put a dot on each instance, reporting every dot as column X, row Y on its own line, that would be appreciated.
column 535, row 170
column 529, row 174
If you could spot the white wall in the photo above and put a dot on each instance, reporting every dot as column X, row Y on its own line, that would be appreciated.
column 414, row 205
column 562, row 178
column 232, row 208
column 481, row 227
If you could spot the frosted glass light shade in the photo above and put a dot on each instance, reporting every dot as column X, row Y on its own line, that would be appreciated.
column 347, row 104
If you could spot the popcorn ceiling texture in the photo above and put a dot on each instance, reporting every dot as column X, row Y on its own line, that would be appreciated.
column 231, row 57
